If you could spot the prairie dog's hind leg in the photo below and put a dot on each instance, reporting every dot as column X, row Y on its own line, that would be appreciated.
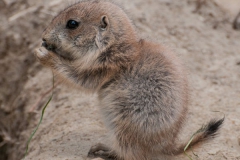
column 102, row 151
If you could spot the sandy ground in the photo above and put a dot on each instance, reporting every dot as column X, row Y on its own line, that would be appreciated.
column 203, row 39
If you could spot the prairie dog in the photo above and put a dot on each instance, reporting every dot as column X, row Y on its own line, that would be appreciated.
column 141, row 86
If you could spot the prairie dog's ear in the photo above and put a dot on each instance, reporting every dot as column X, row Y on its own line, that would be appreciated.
column 104, row 24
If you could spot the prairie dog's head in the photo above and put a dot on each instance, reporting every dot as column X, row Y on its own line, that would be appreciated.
column 84, row 30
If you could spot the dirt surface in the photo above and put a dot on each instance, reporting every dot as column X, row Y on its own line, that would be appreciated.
column 200, row 33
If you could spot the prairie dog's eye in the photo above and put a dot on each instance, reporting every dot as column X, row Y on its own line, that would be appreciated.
column 71, row 24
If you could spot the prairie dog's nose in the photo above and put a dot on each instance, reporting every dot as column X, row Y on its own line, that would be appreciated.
column 46, row 36
column 44, row 44
column 48, row 45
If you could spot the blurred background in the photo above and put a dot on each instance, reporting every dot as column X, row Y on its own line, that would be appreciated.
column 200, row 31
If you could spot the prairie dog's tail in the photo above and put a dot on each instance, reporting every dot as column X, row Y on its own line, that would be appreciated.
column 204, row 134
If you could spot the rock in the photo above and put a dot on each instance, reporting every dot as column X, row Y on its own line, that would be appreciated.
column 236, row 23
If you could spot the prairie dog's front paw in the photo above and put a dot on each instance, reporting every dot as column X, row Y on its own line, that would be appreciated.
column 41, row 52
column 45, row 57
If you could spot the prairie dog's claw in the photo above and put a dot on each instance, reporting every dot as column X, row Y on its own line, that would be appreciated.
column 45, row 57
column 41, row 52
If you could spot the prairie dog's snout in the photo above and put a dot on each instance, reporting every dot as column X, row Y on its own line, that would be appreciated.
column 142, row 86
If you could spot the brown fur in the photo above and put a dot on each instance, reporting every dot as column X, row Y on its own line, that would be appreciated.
column 142, row 87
